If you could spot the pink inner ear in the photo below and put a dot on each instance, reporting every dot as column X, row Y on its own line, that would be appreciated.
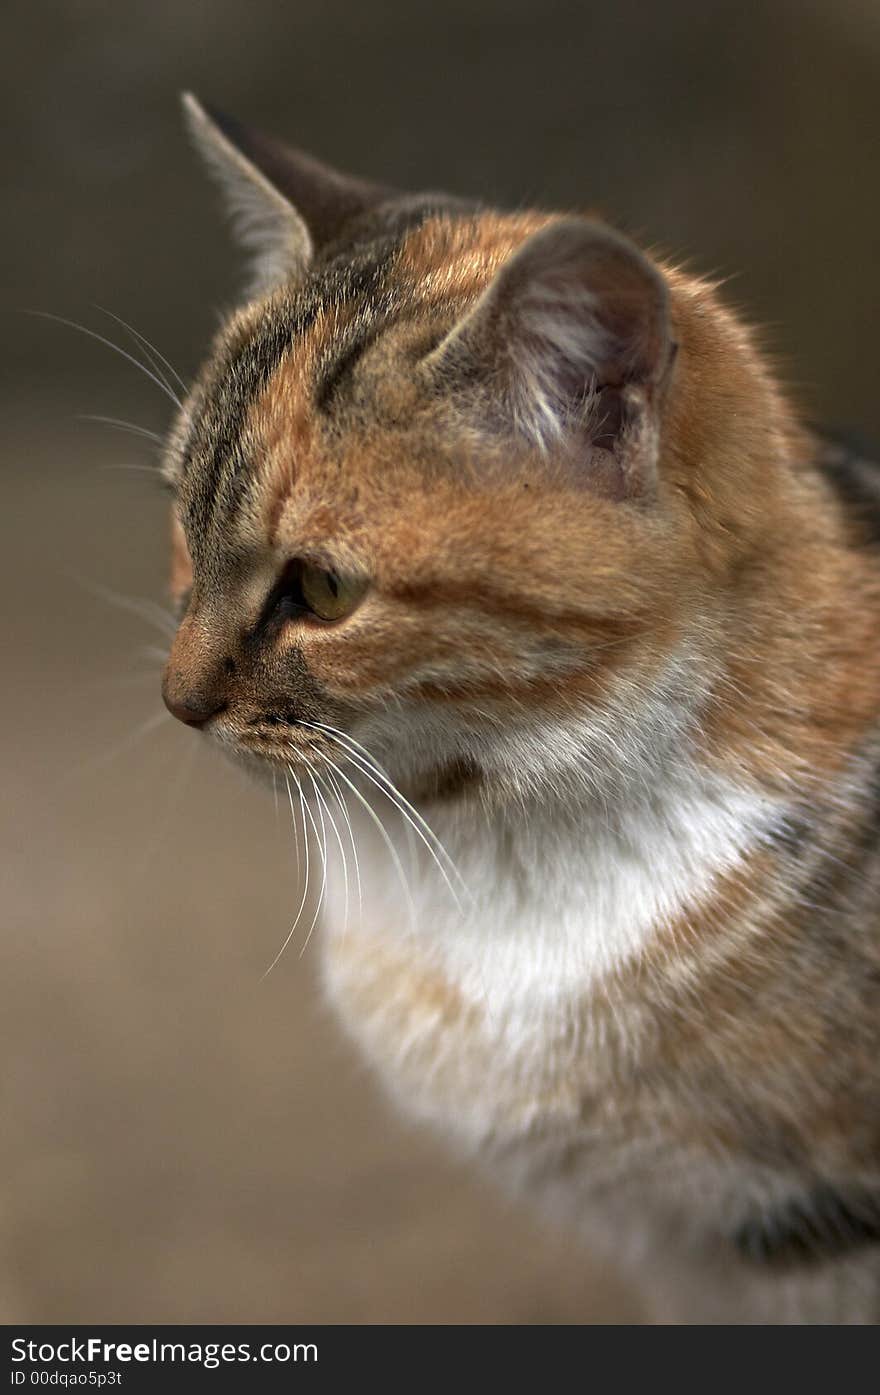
column 599, row 306
column 576, row 318
column 569, row 349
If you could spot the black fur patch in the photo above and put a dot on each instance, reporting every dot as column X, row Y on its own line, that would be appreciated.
column 823, row 1224
column 341, row 368
column 213, row 457
column 353, row 270
column 216, row 469
column 855, row 477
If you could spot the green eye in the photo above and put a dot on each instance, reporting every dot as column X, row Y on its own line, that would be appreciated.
column 329, row 596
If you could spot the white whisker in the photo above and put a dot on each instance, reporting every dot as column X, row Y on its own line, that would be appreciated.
column 140, row 606
column 149, row 349
column 340, row 800
column 132, row 738
column 377, row 772
column 322, row 849
column 132, row 469
column 130, row 426
column 383, row 833
column 108, row 343
column 296, row 837
column 305, row 891
column 322, row 802
column 153, row 653
column 391, row 792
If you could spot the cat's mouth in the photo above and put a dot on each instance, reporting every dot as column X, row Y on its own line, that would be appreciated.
column 309, row 749
column 294, row 744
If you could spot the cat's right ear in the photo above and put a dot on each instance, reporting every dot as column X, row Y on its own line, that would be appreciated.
column 284, row 204
column 570, row 347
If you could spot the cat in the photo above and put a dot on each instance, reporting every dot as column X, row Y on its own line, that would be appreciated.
column 498, row 520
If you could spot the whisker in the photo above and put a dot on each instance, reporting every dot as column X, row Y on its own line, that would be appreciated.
column 322, row 801
column 149, row 349
column 108, row 343
column 130, row 426
column 152, row 652
column 144, row 608
column 322, row 849
column 305, row 892
column 295, row 829
column 132, row 738
column 133, row 469
column 376, row 772
column 392, row 793
column 340, row 800
column 383, row 833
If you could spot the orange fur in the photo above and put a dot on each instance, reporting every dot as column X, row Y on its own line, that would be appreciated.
column 636, row 618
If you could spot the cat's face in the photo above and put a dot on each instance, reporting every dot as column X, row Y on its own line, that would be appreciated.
column 417, row 499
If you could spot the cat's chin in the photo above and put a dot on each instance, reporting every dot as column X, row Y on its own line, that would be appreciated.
column 268, row 761
column 263, row 766
column 457, row 779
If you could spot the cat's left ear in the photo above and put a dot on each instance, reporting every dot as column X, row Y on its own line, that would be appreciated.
column 284, row 204
column 570, row 349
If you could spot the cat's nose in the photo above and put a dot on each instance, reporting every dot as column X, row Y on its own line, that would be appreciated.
column 194, row 711
column 195, row 684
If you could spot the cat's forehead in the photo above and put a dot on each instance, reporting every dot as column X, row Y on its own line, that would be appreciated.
column 313, row 392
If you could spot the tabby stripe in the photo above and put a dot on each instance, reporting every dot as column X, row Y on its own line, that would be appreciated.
column 216, row 468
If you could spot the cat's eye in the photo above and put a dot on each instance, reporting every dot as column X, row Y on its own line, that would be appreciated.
column 308, row 589
column 328, row 595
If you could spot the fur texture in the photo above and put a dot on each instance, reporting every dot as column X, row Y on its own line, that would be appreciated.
column 617, row 644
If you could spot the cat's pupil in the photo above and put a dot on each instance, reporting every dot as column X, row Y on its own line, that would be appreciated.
column 287, row 596
column 302, row 588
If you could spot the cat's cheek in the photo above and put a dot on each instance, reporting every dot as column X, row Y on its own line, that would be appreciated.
column 351, row 659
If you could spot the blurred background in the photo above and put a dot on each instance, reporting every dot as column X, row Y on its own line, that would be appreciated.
column 181, row 1141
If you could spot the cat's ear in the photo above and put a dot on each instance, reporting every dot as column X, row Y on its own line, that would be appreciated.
column 570, row 346
column 284, row 204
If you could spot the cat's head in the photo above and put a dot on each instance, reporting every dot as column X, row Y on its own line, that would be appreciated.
column 435, row 484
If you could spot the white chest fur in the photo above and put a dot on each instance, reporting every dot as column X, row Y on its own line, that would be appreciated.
column 467, row 1007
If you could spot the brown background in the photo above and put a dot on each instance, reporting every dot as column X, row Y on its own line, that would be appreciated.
column 180, row 1141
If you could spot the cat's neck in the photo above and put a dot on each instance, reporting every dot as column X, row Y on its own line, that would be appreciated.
column 537, row 903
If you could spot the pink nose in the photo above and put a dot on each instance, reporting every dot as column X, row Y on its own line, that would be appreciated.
column 195, row 684
column 194, row 711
